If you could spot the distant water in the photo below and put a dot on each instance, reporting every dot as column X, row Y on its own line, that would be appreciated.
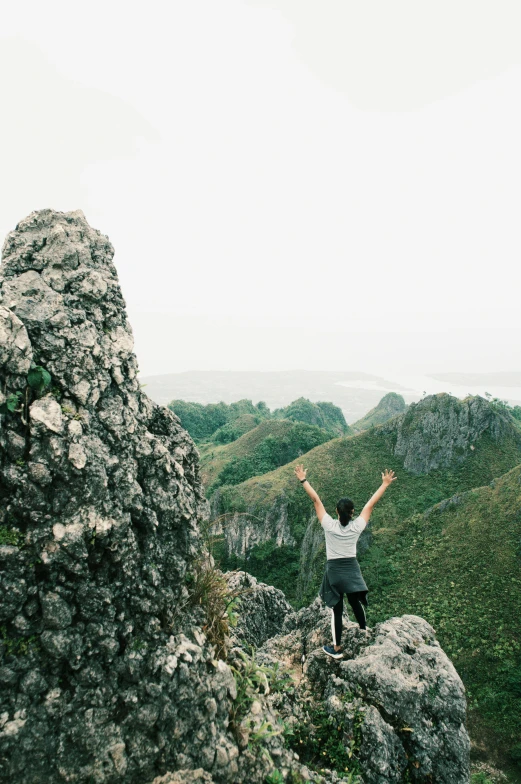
column 413, row 387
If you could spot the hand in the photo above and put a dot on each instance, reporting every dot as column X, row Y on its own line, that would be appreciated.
column 388, row 477
column 300, row 471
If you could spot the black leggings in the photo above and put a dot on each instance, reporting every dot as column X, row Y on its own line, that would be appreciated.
column 357, row 602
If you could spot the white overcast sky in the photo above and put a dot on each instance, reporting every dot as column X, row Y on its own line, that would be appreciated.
column 318, row 184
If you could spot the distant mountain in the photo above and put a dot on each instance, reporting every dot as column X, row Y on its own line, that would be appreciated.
column 277, row 388
column 243, row 448
column 223, row 423
column 220, row 421
column 325, row 415
column 235, row 428
column 389, row 406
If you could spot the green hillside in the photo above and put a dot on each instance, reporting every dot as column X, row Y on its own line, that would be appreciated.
column 389, row 406
column 459, row 567
column 269, row 445
column 439, row 447
column 246, row 456
column 233, row 430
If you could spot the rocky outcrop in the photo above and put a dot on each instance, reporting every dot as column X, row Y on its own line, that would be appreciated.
column 441, row 430
column 262, row 609
column 244, row 530
column 198, row 776
column 395, row 698
column 104, row 677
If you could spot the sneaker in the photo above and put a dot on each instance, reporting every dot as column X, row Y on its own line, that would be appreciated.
column 331, row 652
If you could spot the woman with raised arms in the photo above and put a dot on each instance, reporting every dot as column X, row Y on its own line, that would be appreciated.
column 342, row 574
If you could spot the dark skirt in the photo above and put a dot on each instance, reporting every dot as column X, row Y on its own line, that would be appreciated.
column 342, row 575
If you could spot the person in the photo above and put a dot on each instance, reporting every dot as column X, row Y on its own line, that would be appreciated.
column 342, row 573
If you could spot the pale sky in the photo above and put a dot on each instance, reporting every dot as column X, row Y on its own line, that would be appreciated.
column 317, row 184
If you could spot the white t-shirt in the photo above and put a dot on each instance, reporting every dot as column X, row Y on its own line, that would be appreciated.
column 341, row 539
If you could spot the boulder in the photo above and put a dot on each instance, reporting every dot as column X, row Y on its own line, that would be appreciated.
column 262, row 609
column 395, row 687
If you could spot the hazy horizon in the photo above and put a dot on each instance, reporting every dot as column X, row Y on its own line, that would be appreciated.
column 354, row 392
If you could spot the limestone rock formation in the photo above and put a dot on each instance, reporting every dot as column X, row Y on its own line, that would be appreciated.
column 262, row 612
column 389, row 406
column 102, row 678
column 395, row 679
column 242, row 531
column 440, row 430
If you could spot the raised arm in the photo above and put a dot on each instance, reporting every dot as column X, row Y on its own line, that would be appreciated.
column 388, row 478
column 319, row 507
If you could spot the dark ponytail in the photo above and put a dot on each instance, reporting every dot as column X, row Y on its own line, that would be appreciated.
column 345, row 509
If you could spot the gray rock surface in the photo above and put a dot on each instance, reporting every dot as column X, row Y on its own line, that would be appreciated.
column 262, row 609
column 440, row 430
column 408, row 696
column 101, row 681
column 242, row 530
column 198, row 776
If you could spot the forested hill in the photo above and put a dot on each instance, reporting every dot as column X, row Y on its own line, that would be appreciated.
column 273, row 443
column 253, row 441
column 325, row 415
column 223, row 423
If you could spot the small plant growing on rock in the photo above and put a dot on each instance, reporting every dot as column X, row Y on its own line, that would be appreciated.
column 10, row 536
column 321, row 741
column 251, row 680
column 12, row 403
column 209, row 589
column 263, row 733
column 38, row 378
column 279, row 680
column 18, row 646
column 480, row 778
